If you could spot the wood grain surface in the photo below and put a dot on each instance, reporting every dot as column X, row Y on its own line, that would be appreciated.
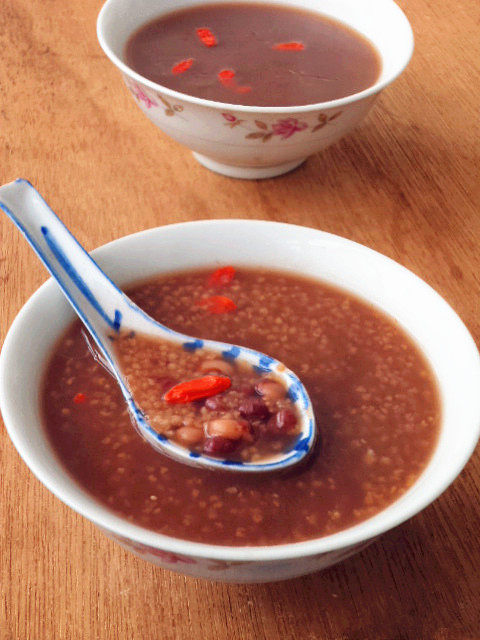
column 405, row 183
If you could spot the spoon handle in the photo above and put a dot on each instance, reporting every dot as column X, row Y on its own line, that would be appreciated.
column 99, row 303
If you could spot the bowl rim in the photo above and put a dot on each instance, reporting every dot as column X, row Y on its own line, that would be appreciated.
column 119, row 527
column 225, row 106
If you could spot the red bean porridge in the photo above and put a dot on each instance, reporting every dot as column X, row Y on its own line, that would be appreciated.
column 374, row 396
column 206, row 403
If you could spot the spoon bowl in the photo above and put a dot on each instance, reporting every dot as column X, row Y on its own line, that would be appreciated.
column 106, row 311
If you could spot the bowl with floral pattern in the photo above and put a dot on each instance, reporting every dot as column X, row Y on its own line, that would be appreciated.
column 248, row 141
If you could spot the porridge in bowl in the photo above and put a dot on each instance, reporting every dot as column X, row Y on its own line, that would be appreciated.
column 261, row 110
column 374, row 395
column 254, row 54
column 207, row 402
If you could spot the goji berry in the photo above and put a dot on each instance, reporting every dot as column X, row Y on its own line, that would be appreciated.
column 221, row 277
column 206, row 37
column 289, row 46
column 197, row 389
column 217, row 304
column 182, row 66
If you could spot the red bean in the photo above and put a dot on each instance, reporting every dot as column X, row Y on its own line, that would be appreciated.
column 254, row 409
column 270, row 390
column 230, row 428
column 283, row 422
column 247, row 389
column 219, row 446
column 216, row 366
column 189, row 435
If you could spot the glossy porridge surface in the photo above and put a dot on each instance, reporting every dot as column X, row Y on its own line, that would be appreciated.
column 374, row 397
column 254, row 54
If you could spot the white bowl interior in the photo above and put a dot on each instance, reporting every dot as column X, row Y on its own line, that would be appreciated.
column 381, row 21
column 418, row 308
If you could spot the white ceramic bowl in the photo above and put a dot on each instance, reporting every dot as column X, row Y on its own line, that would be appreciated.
column 418, row 308
column 220, row 134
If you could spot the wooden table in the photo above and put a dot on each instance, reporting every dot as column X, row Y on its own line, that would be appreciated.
column 405, row 183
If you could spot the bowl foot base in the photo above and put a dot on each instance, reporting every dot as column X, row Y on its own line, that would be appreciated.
column 247, row 173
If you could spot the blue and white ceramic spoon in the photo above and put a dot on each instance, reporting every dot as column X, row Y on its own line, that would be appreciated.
column 104, row 309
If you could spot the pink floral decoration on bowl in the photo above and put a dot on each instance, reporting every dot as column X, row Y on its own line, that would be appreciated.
column 289, row 126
